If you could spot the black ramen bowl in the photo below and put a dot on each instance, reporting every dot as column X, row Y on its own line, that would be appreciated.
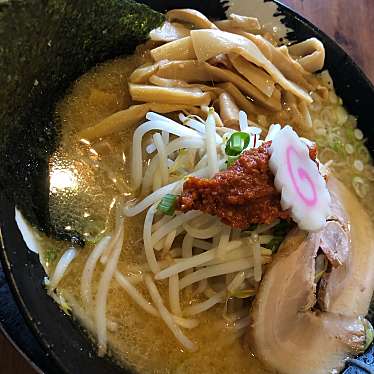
column 43, row 332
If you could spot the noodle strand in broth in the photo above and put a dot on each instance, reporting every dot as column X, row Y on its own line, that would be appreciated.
column 171, row 292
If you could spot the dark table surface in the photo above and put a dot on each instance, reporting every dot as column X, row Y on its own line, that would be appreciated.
column 11, row 361
column 350, row 23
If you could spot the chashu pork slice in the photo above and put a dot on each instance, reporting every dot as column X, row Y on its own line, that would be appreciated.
column 300, row 327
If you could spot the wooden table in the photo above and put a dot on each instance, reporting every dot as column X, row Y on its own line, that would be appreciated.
column 11, row 361
column 350, row 23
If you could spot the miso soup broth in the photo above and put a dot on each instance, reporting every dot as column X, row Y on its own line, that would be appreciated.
column 139, row 340
column 90, row 178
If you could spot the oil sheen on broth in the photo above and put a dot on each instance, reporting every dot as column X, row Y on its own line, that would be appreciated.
column 142, row 340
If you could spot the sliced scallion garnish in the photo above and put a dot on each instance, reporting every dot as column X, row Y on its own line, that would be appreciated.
column 320, row 267
column 274, row 243
column 369, row 334
column 237, row 143
column 243, row 294
column 167, row 204
column 231, row 160
column 252, row 227
column 282, row 228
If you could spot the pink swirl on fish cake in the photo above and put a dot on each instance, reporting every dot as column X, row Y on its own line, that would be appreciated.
column 302, row 174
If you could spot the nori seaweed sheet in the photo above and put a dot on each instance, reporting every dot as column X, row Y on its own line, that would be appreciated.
column 44, row 46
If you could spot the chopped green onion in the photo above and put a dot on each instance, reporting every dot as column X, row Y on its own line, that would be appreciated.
column 274, row 243
column 243, row 294
column 50, row 255
column 283, row 228
column 252, row 227
column 369, row 334
column 237, row 142
column 337, row 146
column 279, row 231
column 167, row 204
column 95, row 239
column 350, row 134
column 321, row 267
column 64, row 306
column 231, row 160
